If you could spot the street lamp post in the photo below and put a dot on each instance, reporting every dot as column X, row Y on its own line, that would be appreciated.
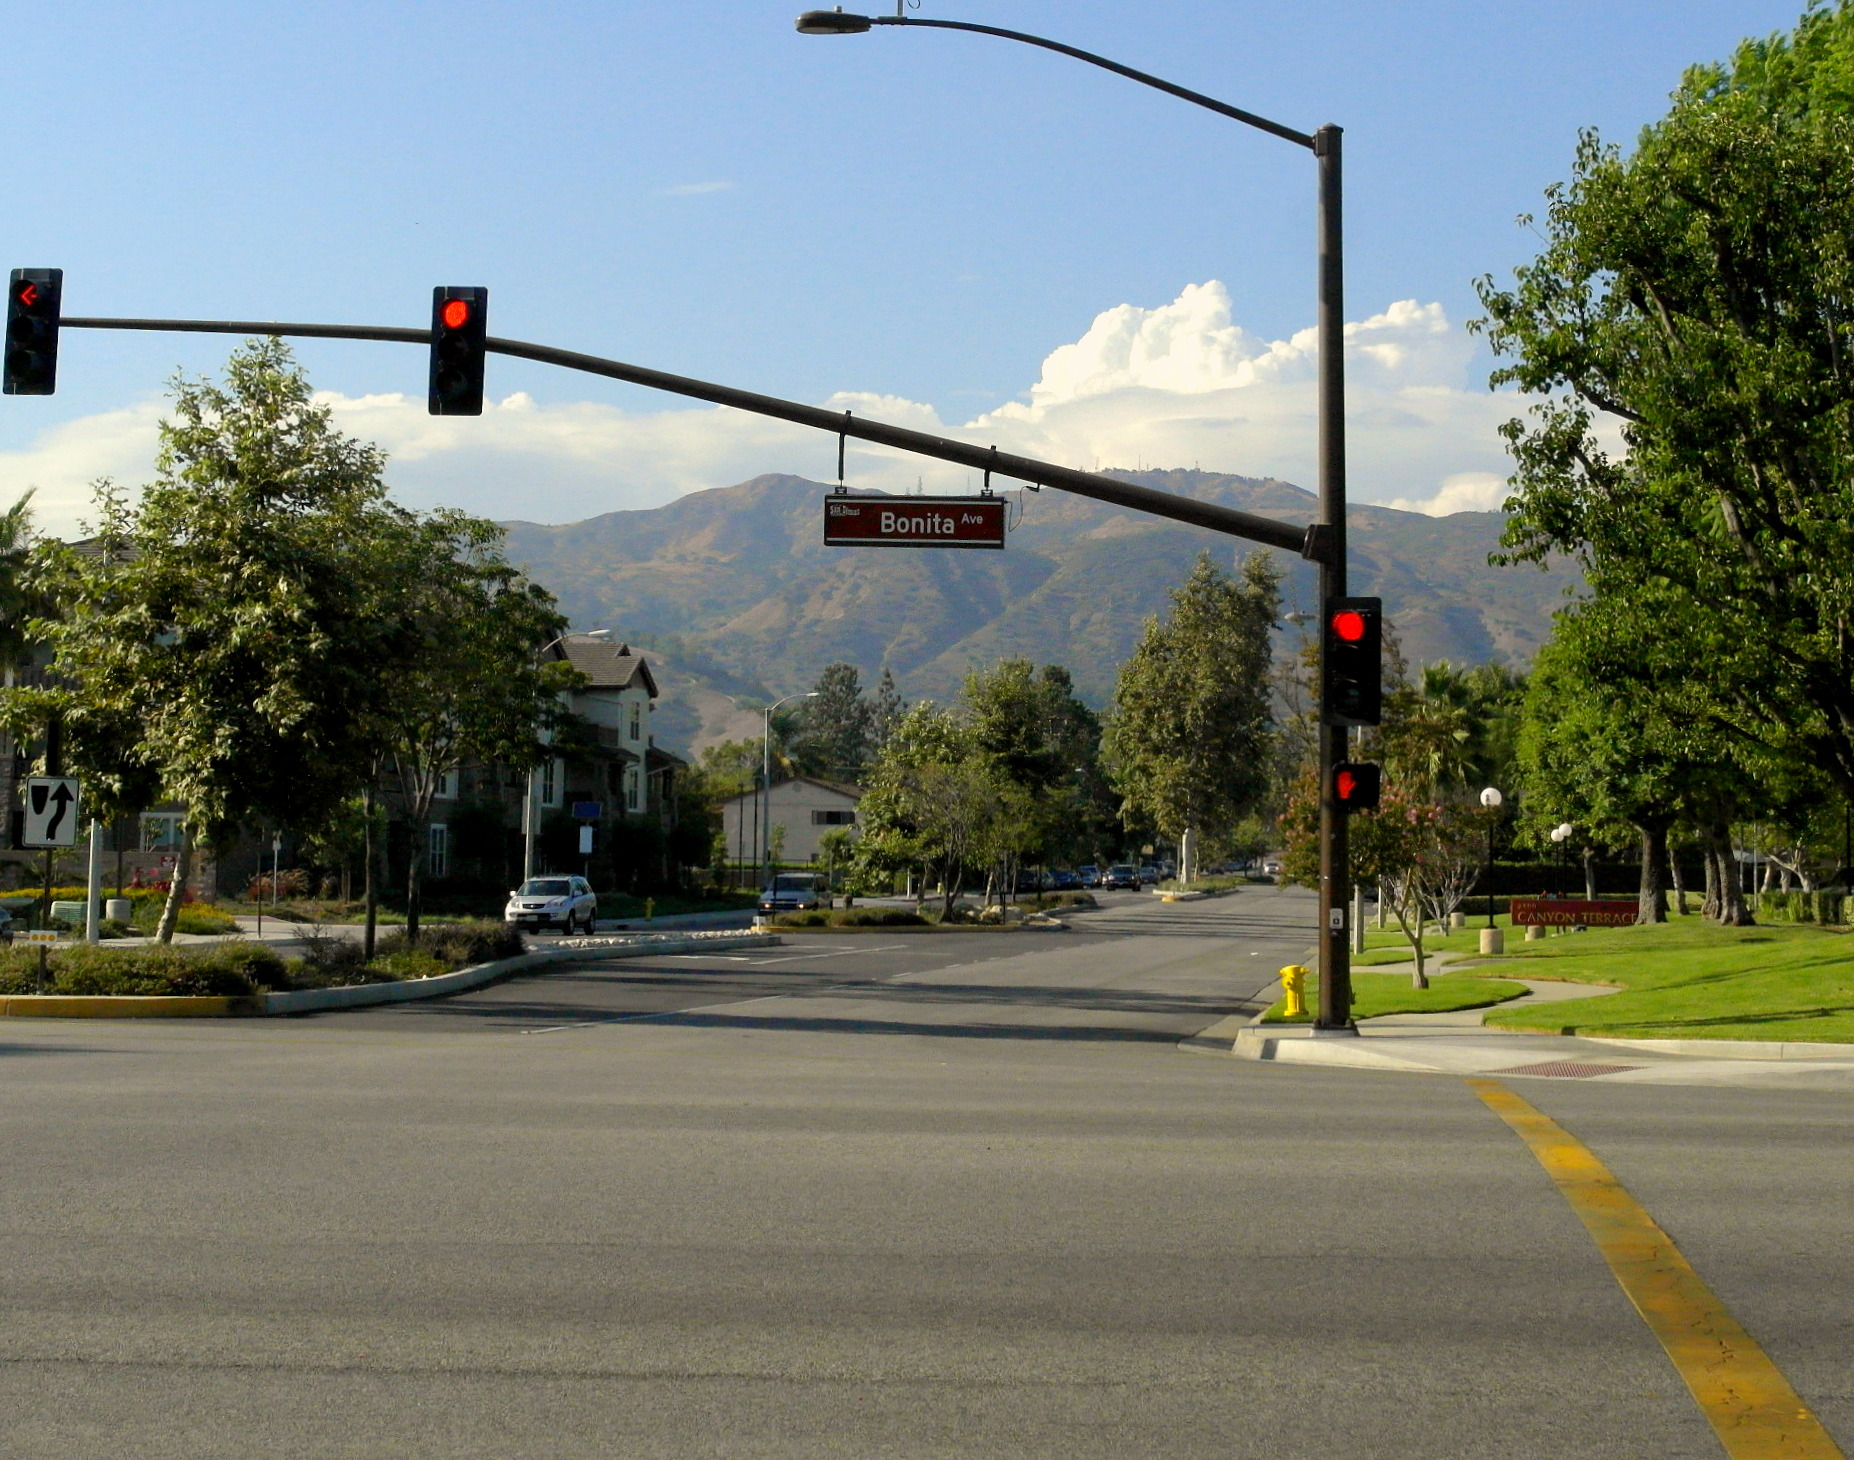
column 766, row 785
column 1335, row 1005
column 527, row 800
column 1491, row 800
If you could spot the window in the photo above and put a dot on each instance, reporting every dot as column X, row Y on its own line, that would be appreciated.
column 160, row 831
column 833, row 818
column 553, row 778
column 438, row 852
column 637, row 721
column 447, row 786
column 633, row 789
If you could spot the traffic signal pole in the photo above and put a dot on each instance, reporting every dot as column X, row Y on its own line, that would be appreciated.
column 1334, row 1015
column 1248, row 525
column 1323, row 542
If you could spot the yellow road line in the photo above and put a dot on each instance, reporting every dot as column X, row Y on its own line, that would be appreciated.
column 1744, row 1396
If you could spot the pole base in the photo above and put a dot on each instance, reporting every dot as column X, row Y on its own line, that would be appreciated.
column 1335, row 1031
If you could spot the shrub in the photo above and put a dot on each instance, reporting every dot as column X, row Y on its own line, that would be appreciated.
column 229, row 970
column 404, row 963
column 852, row 917
column 463, row 944
column 290, row 882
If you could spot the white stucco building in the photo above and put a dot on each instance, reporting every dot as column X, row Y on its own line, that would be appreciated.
column 805, row 808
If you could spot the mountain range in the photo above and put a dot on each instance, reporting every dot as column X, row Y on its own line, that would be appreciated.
column 737, row 600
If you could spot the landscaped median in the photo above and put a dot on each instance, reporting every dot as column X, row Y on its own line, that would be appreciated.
column 1377, row 994
column 1690, row 979
column 242, row 980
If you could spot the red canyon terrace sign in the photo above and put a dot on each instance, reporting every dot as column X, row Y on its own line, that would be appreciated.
column 1554, row 912
column 947, row 522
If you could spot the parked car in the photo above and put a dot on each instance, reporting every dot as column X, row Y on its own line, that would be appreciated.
column 1031, row 879
column 566, row 903
column 1090, row 874
column 794, row 892
column 1121, row 874
column 1063, row 880
column 1149, row 875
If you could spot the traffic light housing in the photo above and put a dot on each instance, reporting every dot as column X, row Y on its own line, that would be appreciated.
column 1356, row 785
column 1352, row 661
column 32, row 305
column 459, row 341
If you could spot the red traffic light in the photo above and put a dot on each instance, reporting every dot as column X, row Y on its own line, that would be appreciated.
column 28, row 294
column 1348, row 784
column 1349, row 624
column 456, row 314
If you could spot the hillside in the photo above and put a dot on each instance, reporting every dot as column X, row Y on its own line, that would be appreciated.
column 736, row 596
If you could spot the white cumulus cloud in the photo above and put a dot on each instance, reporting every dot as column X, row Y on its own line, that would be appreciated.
column 1180, row 384
column 1468, row 491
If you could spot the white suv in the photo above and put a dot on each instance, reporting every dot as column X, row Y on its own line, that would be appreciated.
column 567, row 903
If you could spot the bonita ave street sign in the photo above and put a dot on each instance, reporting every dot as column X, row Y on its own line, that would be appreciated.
column 944, row 522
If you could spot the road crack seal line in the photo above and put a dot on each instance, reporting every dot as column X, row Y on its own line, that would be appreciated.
column 1752, row 1408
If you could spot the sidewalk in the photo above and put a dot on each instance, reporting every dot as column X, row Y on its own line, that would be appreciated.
column 1458, row 1044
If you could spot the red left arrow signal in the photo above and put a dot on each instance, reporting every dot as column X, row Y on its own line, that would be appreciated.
column 29, row 295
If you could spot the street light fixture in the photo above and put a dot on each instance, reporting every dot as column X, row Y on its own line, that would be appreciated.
column 832, row 22
column 766, row 786
column 527, row 800
column 1328, row 532
column 1491, row 799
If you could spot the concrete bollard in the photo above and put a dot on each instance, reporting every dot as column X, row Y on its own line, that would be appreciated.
column 1457, row 920
column 1493, row 940
column 1534, row 932
column 118, row 909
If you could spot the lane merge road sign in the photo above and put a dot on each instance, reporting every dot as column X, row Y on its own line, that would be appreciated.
column 51, row 812
column 939, row 522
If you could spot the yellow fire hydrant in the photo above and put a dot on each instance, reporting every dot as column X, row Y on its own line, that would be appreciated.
column 1294, row 985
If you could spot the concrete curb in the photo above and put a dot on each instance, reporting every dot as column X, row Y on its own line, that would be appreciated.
column 127, row 1006
column 358, row 996
column 1221, row 1037
column 1732, row 1049
column 1261, row 1042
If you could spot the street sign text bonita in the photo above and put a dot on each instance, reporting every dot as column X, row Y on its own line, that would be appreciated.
column 882, row 521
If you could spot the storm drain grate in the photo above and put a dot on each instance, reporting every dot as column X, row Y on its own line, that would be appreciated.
column 1566, row 1069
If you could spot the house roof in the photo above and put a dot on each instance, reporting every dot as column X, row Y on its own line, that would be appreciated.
column 842, row 788
column 607, row 665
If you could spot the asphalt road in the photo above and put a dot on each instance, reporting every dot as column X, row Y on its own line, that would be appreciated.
column 927, row 1195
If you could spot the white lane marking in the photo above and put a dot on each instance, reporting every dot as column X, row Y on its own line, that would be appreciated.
column 840, row 953
column 725, row 1003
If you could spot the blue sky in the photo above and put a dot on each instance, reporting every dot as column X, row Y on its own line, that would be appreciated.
column 911, row 222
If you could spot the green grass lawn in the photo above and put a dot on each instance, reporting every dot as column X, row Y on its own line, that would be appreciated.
column 1390, row 993
column 1388, row 945
column 1691, row 979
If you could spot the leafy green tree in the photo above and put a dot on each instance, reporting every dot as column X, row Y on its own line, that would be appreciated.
column 933, row 802
column 466, row 684
column 1037, row 736
column 1188, row 740
column 232, row 613
column 885, row 711
column 1688, row 335
column 21, row 601
column 834, row 731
